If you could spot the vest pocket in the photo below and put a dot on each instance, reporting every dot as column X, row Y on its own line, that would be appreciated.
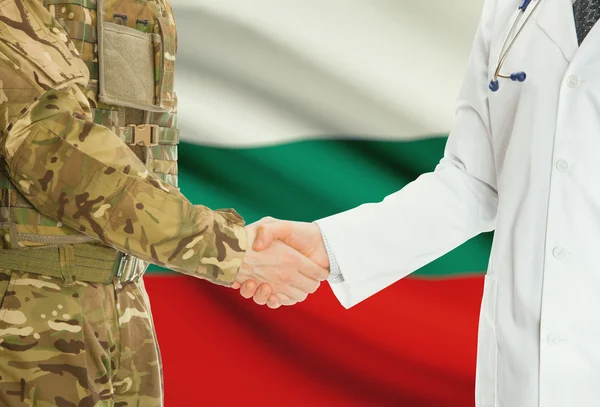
column 126, row 59
column 165, row 49
column 136, row 62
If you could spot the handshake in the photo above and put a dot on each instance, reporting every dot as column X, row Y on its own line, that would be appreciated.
column 284, row 262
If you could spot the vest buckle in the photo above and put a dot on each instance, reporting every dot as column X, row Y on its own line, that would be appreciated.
column 144, row 134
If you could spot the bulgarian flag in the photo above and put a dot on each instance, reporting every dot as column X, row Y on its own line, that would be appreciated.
column 300, row 109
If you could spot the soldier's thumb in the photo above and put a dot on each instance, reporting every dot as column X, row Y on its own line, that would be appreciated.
column 264, row 238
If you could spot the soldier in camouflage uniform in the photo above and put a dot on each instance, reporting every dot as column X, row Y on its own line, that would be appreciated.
column 89, row 197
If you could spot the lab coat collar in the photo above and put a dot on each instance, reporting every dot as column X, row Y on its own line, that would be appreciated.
column 556, row 20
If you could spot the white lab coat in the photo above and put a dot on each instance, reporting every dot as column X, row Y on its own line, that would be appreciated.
column 524, row 161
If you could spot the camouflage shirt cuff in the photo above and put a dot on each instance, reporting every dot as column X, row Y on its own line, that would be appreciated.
column 230, row 234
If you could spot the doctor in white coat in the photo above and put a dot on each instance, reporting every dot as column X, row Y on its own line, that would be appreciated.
column 523, row 160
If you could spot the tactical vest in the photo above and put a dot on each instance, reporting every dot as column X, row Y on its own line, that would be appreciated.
column 129, row 47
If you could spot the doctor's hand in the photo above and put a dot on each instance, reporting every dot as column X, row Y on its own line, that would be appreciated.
column 289, row 275
column 304, row 237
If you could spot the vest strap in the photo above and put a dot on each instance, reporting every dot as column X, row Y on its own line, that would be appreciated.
column 148, row 135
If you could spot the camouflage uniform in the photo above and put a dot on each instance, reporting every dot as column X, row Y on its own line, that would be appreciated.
column 88, row 140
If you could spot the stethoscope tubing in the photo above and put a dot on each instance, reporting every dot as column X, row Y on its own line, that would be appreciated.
column 507, row 44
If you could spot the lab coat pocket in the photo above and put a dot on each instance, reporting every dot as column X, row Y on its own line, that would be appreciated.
column 485, row 382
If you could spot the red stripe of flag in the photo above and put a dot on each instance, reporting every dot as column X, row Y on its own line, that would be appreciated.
column 412, row 345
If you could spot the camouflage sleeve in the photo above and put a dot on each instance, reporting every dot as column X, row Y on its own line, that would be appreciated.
column 82, row 174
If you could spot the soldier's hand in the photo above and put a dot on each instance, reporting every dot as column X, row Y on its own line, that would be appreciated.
column 287, row 275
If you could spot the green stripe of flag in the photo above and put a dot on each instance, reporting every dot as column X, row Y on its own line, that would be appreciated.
column 309, row 180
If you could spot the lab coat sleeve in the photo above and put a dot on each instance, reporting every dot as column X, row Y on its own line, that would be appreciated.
column 378, row 244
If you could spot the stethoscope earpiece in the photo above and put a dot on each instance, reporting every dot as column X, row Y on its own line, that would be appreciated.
column 518, row 76
column 494, row 85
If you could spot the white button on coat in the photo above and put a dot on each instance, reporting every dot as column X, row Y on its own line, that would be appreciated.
column 559, row 253
column 553, row 339
column 562, row 165
column 499, row 172
column 573, row 81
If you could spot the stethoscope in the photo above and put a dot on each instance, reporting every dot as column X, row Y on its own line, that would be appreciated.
column 507, row 45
